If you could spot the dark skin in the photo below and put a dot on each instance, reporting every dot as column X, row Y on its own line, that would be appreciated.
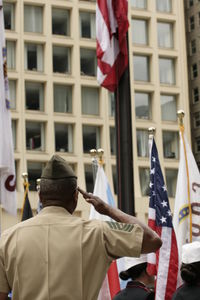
column 151, row 241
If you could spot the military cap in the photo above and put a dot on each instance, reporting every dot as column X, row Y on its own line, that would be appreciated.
column 57, row 168
column 191, row 253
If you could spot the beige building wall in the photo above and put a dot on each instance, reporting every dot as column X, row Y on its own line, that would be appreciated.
column 146, row 56
column 192, row 24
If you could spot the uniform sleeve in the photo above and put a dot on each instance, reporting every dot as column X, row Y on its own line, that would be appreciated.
column 4, row 286
column 122, row 239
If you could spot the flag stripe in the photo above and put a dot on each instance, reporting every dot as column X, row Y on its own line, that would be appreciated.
column 113, row 279
column 163, row 266
column 173, row 268
column 111, row 27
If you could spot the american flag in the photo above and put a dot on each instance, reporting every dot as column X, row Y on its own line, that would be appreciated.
column 111, row 28
column 163, row 263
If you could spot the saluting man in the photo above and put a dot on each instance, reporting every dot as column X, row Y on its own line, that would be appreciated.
column 58, row 256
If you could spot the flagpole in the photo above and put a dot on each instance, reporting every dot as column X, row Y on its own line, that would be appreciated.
column 100, row 153
column 25, row 184
column 93, row 153
column 181, row 115
column 124, row 157
column 151, row 131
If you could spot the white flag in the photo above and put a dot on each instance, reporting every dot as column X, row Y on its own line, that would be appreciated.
column 188, row 187
column 102, row 190
column 7, row 166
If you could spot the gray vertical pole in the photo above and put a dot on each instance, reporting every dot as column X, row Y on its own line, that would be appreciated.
column 93, row 153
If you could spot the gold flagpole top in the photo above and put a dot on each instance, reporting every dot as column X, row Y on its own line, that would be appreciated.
column 25, row 177
column 151, row 131
column 180, row 114
column 100, row 153
column 93, row 152
column 38, row 184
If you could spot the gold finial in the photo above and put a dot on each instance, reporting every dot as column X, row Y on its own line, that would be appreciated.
column 180, row 114
column 25, row 177
column 151, row 131
column 100, row 154
column 38, row 184
column 93, row 152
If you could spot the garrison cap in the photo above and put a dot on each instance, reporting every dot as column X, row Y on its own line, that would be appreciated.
column 57, row 168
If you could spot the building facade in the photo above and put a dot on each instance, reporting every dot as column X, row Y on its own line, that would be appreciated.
column 58, row 106
column 192, row 25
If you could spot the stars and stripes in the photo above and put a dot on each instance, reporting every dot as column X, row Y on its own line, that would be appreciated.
column 111, row 28
column 163, row 263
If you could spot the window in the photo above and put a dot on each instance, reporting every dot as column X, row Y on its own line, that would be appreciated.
column 90, row 101
column 34, row 95
column 34, row 170
column 171, row 178
column 33, row 59
column 114, row 177
column 87, row 25
column 193, row 46
column 61, row 60
column 91, row 138
column 139, row 3
column 112, row 141
column 197, row 120
column 139, row 31
column 89, row 181
column 141, row 68
column 62, row 98
column 165, row 35
column 33, row 18
column 168, row 107
column 142, row 143
column 195, row 94
column 111, row 97
column 191, row 3
column 9, row 15
column 12, row 90
column 60, row 21
column 35, row 136
column 194, row 71
column 63, row 137
column 192, row 23
column 11, row 55
column 144, row 174
column 143, row 105
column 197, row 144
column 167, row 71
column 88, row 62
column 14, row 131
column 170, row 144
column 164, row 5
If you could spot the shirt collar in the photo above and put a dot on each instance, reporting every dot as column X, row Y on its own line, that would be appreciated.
column 54, row 210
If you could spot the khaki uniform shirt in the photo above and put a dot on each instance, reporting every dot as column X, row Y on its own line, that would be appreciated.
column 56, row 256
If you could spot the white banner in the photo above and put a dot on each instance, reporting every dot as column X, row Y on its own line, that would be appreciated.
column 181, row 218
column 7, row 166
